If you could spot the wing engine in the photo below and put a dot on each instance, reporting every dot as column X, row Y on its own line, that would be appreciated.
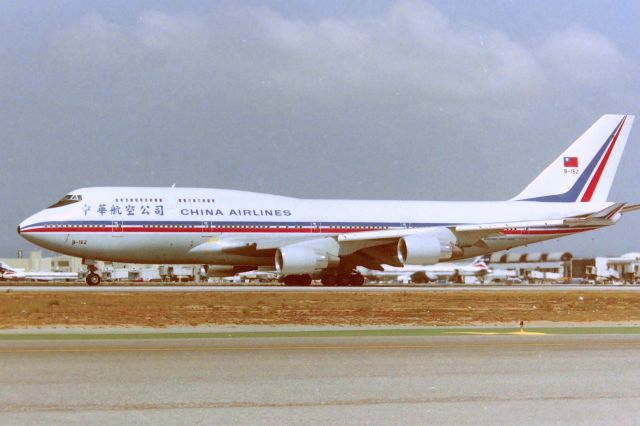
column 425, row 249
column 300, row 260
column 306, row 258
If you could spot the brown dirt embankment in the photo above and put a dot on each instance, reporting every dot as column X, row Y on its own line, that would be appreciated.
column 19, row 310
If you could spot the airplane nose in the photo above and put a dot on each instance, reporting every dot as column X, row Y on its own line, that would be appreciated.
column 24, row 226
column 26, row 229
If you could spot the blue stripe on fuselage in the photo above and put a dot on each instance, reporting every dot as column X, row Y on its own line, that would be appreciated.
column 213, row 224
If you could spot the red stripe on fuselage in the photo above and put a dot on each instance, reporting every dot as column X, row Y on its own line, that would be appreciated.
column 140, row 229
column 543, row 231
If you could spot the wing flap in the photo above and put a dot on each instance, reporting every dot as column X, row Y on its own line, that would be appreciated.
column 378, row 235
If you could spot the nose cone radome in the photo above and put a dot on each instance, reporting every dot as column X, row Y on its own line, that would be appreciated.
column 28, row 228
column 27, row 223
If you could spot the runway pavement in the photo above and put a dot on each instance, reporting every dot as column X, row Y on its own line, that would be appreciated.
column 282, row 289
column 459, row 379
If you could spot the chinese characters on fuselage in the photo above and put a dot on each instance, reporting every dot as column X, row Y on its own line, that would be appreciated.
column 130, row 210
column 158, row 210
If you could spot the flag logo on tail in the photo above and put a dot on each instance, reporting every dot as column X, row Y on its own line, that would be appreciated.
column 571, row 161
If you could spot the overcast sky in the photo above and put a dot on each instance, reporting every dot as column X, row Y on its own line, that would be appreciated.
column 465, row 100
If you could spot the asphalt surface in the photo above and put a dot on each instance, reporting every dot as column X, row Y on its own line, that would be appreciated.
column 282, row 289
column 461, row 379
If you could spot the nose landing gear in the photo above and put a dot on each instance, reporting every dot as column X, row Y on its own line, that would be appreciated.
column 92, row 278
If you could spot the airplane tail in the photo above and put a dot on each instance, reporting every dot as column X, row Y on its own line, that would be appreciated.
column 4, row 267
column 479, row 262
column 585, row 171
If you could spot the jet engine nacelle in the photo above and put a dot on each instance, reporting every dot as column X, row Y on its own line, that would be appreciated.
column 300, row 260
column 423, row 250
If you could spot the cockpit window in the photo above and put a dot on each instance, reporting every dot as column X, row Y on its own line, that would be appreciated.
column 66, row 200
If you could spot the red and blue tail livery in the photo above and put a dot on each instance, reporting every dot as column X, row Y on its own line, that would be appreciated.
column 600, row 149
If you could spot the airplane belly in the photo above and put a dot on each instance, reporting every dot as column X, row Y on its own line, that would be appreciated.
column 149, row 248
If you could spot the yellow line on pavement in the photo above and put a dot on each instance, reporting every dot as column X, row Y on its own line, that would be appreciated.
column 513, row 333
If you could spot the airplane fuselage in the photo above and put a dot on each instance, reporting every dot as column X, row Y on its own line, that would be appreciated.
column 163, row 225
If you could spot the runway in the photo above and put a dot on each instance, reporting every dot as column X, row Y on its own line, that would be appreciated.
column 333, row 380
column 283, row 289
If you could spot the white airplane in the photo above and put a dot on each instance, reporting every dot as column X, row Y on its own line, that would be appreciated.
column 301, row 238
column 9, row 273
column 255, row 275
column 426, row 273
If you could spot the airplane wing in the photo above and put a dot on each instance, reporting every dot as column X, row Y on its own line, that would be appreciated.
column 248, row 246
column 470, row 235
column 467, row 235
column 381, row 246
column 371, row 249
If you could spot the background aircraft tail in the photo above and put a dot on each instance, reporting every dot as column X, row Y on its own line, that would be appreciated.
column 584, row 171
column 4, row 267
column 479, row 262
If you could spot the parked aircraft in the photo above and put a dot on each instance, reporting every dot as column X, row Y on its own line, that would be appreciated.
column 255, row 275
column 497, row 275
column 9, row 273
column 426, row 273
column 305, row 237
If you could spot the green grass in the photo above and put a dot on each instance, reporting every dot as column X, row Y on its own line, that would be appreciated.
column 314, row 333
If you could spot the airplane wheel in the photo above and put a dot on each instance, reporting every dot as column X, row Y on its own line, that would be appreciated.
column 301, row 280
column 93, row 279
column 356, row 280
column 344, row 280
column 329, row 280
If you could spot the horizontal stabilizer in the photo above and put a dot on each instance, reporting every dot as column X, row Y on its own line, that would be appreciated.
column 630, row 208
column 603, row 217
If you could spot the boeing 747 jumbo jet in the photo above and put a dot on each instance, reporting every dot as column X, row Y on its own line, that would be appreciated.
column 303, row 238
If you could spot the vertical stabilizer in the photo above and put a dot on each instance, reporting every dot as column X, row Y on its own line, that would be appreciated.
column 584, row 171
column 4, row 267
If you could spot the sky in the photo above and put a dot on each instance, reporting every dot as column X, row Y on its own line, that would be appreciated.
column 441, row 100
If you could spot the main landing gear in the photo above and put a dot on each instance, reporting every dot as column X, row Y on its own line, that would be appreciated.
column 342, row 279
column 92, row 278
column 301, row 280
column 330, row 280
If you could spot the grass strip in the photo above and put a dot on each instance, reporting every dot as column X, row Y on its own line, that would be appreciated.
column 315, row 333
